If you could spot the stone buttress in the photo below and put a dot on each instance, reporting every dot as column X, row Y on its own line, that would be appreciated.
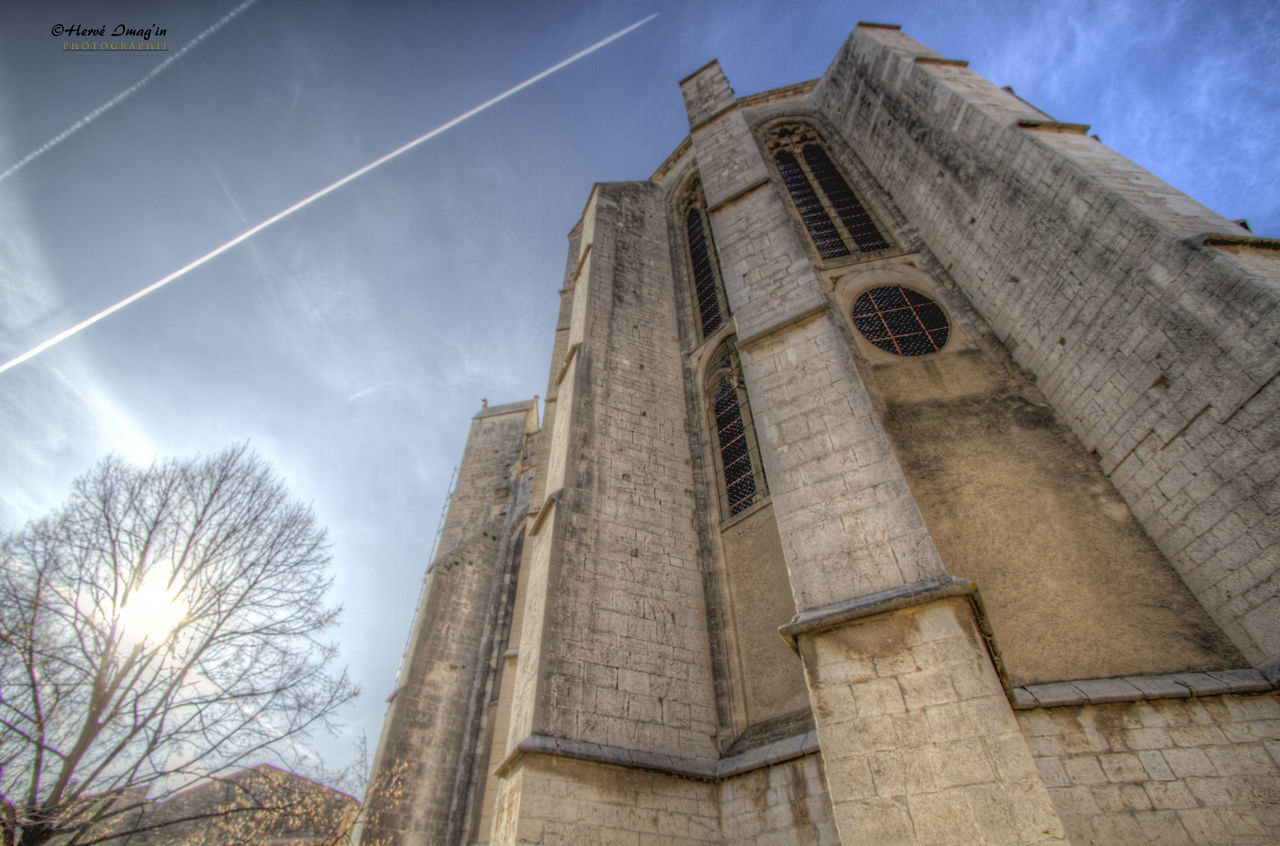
column 1016, row 585
column 431, row 759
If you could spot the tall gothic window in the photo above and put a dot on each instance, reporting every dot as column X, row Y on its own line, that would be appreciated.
column 708, row 287
column 833, row 215
column 742, row 482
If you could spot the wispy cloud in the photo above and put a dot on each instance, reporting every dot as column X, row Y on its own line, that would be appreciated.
column 1165, row 87
column 323, row 192
column 57, row 416
column 60, row 419
column 364, row 392
column 26, row 297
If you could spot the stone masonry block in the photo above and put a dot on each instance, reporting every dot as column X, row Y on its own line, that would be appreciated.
column 878, row 697
column 931, row 687
column 1122, row 767
column 943, row 818
column 961, row 764
column 1084, row 769
column 1157, row 768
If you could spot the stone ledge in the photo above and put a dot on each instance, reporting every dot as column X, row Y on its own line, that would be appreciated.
column 786, row 323
column 498, row 410
column 715, row 116
column 839, row 613
column 938, row 60
column 1216, row 239
column 568, row 358
column 738, row 195
column 1053, row 126
column 773, row 95
column 582, row 262
column 747, row 512
column 777, row 752
column 1140, row 688
column 539, row 515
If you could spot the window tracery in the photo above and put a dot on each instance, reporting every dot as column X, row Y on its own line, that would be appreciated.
column 837, row 221
column 900, row 320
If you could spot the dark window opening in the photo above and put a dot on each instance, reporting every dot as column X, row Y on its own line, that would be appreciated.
column 704, row 275
column 856, row 219
column 836, row 220
column 735, row 457
column 900, row 321
column 741, row 472
column 708, row 286
column 815, row 217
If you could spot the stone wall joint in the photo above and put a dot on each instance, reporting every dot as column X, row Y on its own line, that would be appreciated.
column 738, row 195
column 908, row 596
column 786, row 323
column 778, row 752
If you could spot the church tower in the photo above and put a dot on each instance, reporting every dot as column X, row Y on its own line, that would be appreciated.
column 907, row 474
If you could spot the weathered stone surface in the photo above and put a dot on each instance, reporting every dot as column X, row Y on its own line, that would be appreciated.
column 1204, row 762
column 1030, row 573
column 433, row 737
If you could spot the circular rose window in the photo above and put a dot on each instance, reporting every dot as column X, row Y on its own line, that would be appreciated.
column 900, row 321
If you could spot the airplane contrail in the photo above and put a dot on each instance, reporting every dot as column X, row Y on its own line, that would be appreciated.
column 355, row 174
column 96, row 113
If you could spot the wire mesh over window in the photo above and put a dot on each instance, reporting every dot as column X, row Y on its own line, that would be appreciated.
column 705, row 284
column 901, row 321
column 836, row 220
column 823, row 232
column 735, row 456
column 741, row 473
column 855, row 218
column 708, row 286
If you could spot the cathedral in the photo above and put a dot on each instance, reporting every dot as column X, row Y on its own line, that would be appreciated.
column 906, row 474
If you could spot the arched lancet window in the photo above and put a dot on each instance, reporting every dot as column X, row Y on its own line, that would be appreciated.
column 835, row 218
column 742, row 482
column 708, row 287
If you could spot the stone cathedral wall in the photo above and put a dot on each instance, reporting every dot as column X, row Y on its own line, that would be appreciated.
column 435, row 719
column 1159, row 351
column 622, row 657
column 1022, row 589
column 1167, row 771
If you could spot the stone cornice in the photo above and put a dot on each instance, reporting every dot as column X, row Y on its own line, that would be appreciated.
column 777, row 752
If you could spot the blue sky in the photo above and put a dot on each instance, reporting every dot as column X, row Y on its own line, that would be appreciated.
column 352, row 341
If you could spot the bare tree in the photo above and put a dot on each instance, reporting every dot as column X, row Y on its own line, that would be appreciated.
column 160, row 628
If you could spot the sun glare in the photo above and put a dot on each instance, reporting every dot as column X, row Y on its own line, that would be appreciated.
column 151, row 613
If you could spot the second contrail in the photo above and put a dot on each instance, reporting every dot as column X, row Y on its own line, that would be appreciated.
column 116, row 100
column 355, row 174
